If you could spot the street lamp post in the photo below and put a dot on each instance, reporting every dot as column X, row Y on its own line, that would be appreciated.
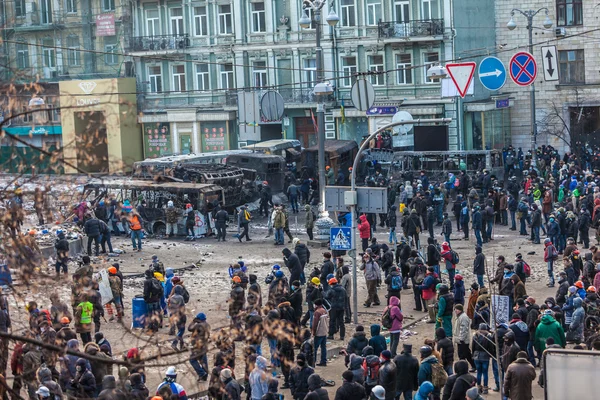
column 530, row 14
column 321, row 89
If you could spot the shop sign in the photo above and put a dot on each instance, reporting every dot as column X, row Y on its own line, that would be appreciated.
column 105, row 25
column 214, row 137
column 157, row 139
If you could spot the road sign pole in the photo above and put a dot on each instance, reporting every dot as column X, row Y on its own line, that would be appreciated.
column 532, row 99
column 353, row 206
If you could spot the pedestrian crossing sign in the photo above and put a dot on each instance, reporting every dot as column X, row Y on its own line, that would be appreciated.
column 340, row 238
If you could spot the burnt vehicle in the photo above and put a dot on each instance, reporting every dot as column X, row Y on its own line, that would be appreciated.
column 290, row 149
column 151, row 167
column 203, row 197
column 270, row 168
column 339, row 154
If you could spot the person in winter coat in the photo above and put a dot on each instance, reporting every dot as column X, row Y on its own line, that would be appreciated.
column 44, row 376
column 110, row 391
column 396, row 318
column 259, row 379
column 387, row 375
column 575, row 332
column 316, row 391
column 445, row 308
column 139, row 391
column 99, row 368
column 293, row 263
column 350, row 390
column 372, row 277
column 336, row 295
column 519, row 291
column 425, row 369
column 394, row 283
column 521, row 331
column 233, row 390
column 518, row 378
column 364, row 231
column 200, row 335
column 563, row 289
column 327, row 268
column 407, row 370
column 84, row 384
column 425, row 391
column 446, row 349
column 477, row 222
column 414, row 227
column 479, row 265
column 548, row 327
column 458, row 383
column 301, row 251
column 358, row 342
column 483, row 349
column 377, row 341
column 310, row 221
column 92, row 230
column 459, row 289
column 299, row 377
column 356, row 367
column 428, row 293
column 509, row 350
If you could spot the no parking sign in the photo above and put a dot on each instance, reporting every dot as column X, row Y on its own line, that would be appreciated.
column 523, row 69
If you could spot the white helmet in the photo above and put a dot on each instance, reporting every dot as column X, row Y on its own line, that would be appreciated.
column 171, row 371
column 170, row 203
column 379, row 392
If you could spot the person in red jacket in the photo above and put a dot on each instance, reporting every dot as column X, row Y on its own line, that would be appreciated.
column 364, row 231
column 16, row 365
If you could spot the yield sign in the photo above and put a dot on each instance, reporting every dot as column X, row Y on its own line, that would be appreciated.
column 461, row 74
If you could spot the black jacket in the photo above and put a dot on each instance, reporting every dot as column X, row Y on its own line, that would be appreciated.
column 316, row 391
column 562, row 291
column 337, row 297
column 150, row 295
column 387, row 379
column 387, row 260
column 446, row 348
column 326, row 269
column 358, row 342
column 295, row 299
column 350, row 391
column 293, row 263
column 299, row 381
column 92, row 227
column 303, row 253
column 479, row 264
column 221, row 218
column 407, row 371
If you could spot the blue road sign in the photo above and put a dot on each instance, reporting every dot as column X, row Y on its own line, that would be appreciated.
column 340, row 238
column 492, row 73
column 523, row 69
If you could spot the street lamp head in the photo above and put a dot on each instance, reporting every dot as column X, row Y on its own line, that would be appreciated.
column 332, row 19
column 511, row 24
column 304, row 21
column 323, row 88
column 547, row 22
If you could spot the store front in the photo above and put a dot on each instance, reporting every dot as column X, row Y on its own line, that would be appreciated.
column 486, row 126
column 99, row 125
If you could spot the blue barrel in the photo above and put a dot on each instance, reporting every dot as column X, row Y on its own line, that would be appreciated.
column 138, row 312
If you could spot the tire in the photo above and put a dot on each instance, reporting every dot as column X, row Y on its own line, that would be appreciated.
column 159, row 229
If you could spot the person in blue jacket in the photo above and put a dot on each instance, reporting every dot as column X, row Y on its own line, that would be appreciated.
column 377, row 341
column 464, row 219
column 477, row 224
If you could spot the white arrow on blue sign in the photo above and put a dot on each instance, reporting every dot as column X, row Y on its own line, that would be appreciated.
column 492, row 73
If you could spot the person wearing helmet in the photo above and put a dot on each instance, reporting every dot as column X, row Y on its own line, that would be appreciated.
column 237, row 300
column 170, row 382
column 200, row 336
column 377, row 393
column 117, row 292
column 172, row 217
column 336, row 295
column 329, row 176
column 278, row 288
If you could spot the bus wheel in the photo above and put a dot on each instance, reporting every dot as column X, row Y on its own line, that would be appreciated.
column 159, row 229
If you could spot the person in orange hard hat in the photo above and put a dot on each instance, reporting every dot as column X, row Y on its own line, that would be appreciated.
column 117, row 292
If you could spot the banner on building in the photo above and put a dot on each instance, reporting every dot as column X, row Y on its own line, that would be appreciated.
column 214, row 136
column 105, row 25
column 157, row 139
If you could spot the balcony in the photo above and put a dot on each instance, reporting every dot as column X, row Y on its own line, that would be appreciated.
column 411, row 29
column 161, row 101
column 160, row 44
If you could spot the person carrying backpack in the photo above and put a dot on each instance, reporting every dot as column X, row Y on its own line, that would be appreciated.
column 432, row 371
column 394, row 283
column 371, row 365
column 392, row 319
column 450, row 257
column 153, row 292
column 550, row 255
column 522, row 269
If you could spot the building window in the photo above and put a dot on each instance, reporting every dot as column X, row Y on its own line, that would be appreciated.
column 152, row 23
column 374, row 12
column 71, row 6
column 348, row 13
column 200, row 21
column 429, row 59
column 49, row 53
column 227, row 76
column 155, row 78
column 310, row 68
column 26, row 114
column 348, row 71
column 110, row 50
column 402, row 10
column 179, row 78
column 108, row 5
column 569, row 12
column 46, row 11
column 19, row 8
column 259, row 72
column 429, row 9
column 376, row 65
column 22, row 55
column 202, row 77
column 225, row 25
column 572, row 66
column 52, row 113
column 177, row 21
column 258, row 17
column 404, row 70
column 73, row 51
